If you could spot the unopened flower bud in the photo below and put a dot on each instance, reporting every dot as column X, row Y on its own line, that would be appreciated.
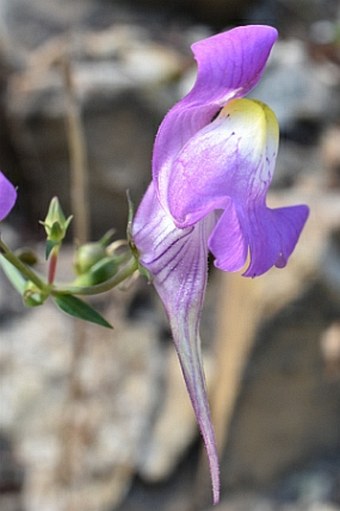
column 33, row 296
column 55, row 222
column 99, row 272
column 87, row 255
column 27, row 256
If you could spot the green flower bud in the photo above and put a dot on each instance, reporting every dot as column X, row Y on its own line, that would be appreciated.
column 55, row 222
column 87, row 255
column 99, row 272
column 90, row 253
column 27, row 256
column 33, row 296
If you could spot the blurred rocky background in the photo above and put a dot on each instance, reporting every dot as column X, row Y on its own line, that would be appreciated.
column 96, row 421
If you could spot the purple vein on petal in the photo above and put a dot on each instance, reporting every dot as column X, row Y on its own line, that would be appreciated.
column 170, row 247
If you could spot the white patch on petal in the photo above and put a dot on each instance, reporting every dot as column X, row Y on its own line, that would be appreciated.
column 232, row 157
column 258, row 128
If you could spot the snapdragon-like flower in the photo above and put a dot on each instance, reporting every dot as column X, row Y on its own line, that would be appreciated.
column 8, row 196
column 213, row 162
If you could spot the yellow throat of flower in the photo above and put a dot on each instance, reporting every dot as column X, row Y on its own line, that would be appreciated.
column 251, row 111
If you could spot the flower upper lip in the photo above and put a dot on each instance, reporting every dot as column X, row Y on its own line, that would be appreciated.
column 229, row 66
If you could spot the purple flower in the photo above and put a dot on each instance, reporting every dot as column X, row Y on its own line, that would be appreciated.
column 8, row 196
column 213, row 162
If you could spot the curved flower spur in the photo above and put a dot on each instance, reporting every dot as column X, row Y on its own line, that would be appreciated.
column 213, row 162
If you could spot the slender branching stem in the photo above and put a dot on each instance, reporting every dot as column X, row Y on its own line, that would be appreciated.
column 109, row 284
column 25, row 270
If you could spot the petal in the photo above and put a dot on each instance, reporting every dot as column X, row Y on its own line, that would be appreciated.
column 232, row 157
column 228, row 242
column 273, row 234
column 270, row 236
column 177, row 260
column 229, row 66
column 8, row 196
column 231, row 62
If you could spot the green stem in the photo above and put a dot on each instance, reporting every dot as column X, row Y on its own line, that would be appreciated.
column 123, row 274
column 23, row 268
column 114, row 281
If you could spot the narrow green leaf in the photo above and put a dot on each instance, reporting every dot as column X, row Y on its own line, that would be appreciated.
column 79, row 309
column 13, row 275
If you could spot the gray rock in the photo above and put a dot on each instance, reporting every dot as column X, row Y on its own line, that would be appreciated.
column 77, row 447
column 218, row 12
column 287, row 409
column 174, row 427
column 296, row 88
column 119, row 79
column 26, row 25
